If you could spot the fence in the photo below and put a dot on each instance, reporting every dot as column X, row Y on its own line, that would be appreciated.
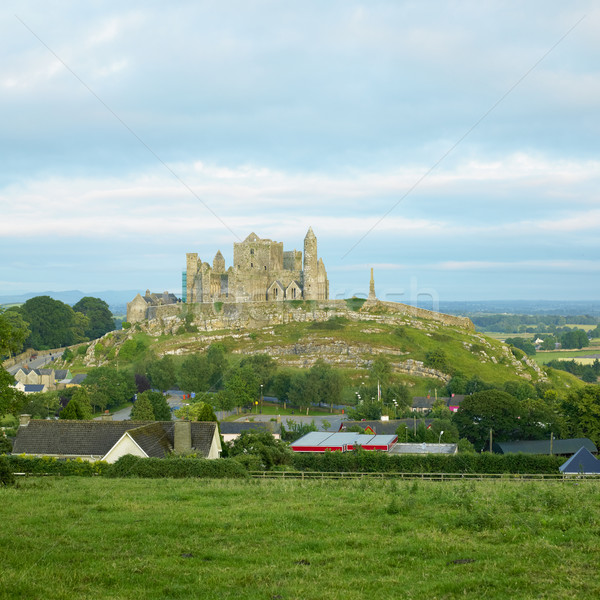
column 311, row 475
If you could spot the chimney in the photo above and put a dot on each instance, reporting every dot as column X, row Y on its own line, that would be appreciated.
column 106, row 416
column 24, row 420
column 182, row 431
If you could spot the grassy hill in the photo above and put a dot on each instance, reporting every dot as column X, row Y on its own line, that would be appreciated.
column 349, row 344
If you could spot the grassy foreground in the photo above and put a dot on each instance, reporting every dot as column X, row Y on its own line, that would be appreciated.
column 90, row 538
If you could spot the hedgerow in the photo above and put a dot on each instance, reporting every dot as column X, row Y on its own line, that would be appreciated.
column 134, row 466
column 53, row 466
column 378, row 462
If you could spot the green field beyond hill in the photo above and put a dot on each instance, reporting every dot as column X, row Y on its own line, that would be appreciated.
column 160, row 539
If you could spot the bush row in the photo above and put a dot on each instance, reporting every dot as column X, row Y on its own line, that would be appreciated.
column 129, row 466
column 357, row 462
column 378, row 462
column 133, row 466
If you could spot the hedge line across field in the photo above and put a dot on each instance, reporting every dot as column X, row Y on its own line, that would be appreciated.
column 130, row 466
column 357, row 462
column 378, row 462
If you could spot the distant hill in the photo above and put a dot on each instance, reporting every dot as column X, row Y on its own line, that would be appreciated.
column 116, row 299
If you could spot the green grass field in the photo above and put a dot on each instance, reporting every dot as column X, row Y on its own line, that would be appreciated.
column 65, row 538
column 544, row 357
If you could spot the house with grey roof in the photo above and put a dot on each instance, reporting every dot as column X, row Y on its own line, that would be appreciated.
column 77, row 380
column 559, row 447
column 581, row 463
column 109, row 440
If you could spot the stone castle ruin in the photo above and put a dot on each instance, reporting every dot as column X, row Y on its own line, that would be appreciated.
column 261, row 271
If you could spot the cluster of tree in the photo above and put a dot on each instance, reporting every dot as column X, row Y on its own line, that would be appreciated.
column 572, row 338
column 42, row 323
column 509, row 418
column 530, row 323
column 588, row 373
column 380, row 393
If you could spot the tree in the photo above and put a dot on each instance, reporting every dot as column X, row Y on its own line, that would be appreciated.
column 14, row 330
column 490, row 409
column 242, row 386
column 576, row 338
column 160, row 406
column 142, row 383
column 366, row 410
column 262, row 444
column 263, row 365
column 437, row 359
column 132, row 350
column 41, row 405
column 10, row 399
column 581, row 410
column 216, row 355
column 296, row 430
column 538, row 420
column 142, row 409
column 522, row 344
column 100, row 319
column 200, row 411
column 521, row 390
column 72, row 411
column 458, row 384
column 280, row 385
column 118, row 387
column 162, row 373
column 194, row 373
column 52, row 323
column 380, row 370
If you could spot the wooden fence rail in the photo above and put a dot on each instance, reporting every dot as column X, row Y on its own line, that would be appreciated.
column 311, row 475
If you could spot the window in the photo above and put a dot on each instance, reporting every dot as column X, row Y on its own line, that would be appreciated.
column 251, row 250
column 251, row 264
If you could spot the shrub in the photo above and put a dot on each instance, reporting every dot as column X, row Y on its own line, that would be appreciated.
column 176, row 467
column 53, row 466
column 355, row 303
column 331, row 324
column 379, row 462
column 5, row 445
column 6, row 472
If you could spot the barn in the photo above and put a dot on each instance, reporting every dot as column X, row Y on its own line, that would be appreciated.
column 321, row 441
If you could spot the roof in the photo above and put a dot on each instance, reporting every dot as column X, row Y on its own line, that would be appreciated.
column 581, row 462
column 427, row 402
column 569, row 446
column 31, row 388
column 238, row 427
column 386, row 427
column 318, row 441
column 79, row 378
column 61, row 373
column 152, row 439
column 96, row 438
column 424, row 448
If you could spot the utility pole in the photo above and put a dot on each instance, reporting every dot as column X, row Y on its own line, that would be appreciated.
column 490, row 441
column 551, row 440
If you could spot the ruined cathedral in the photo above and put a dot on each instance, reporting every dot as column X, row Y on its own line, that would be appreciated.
column 261, row 271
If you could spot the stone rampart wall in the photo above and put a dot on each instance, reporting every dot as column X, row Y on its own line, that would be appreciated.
column 226, row 315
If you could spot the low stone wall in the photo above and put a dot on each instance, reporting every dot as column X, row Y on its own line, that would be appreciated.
column 24, row 357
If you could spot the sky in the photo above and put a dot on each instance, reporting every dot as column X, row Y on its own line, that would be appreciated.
column 451, row 146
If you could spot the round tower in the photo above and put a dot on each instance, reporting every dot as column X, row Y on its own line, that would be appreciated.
column 310, row 266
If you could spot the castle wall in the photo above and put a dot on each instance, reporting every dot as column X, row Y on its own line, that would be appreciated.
column 262, row 314
column 257, row 264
